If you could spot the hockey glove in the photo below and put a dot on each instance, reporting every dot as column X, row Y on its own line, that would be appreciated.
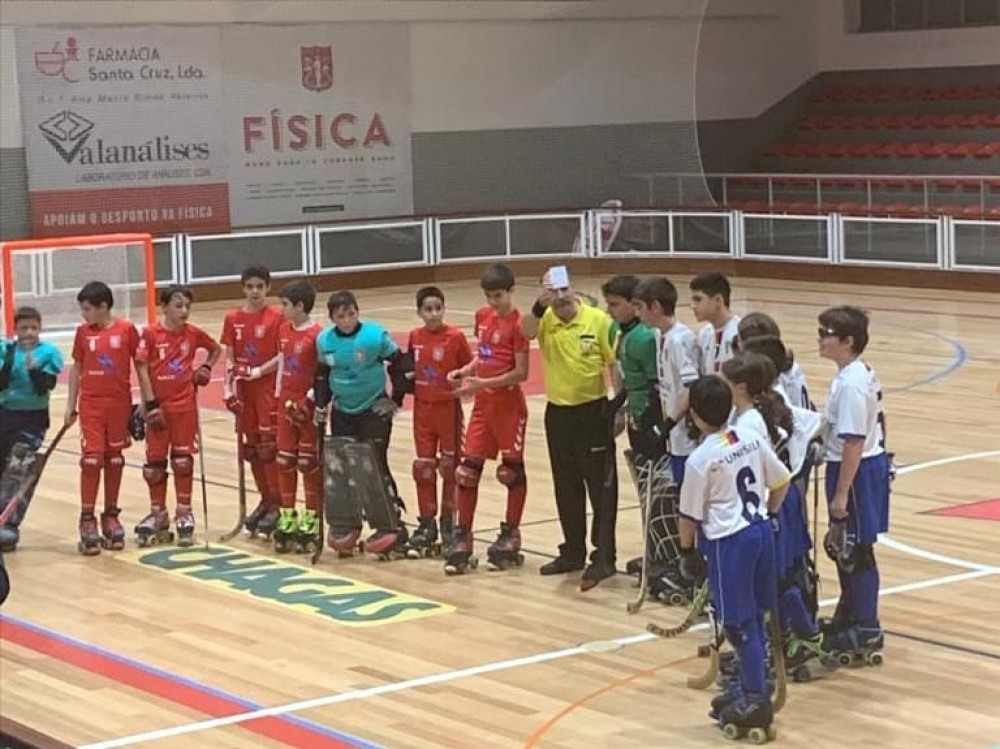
column 42, row 382
column 202, row 376
column 155, row 418
column 692, row 565
column 136, row 424
column 319, row 417
column 839, row 546
column 385, row 408
column 298, row 412
column 233, row 405
column 402, row 375
column 6, row 365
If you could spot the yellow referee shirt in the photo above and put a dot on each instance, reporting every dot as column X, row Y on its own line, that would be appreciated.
column 575, row 355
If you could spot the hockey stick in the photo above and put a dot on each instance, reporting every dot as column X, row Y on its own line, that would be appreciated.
column 241, row 481
column 31, row 479
column 633, row 606
column 778, row 658
column 320, row 445
column 204, row 481
column 711, row 651
column 694, row 614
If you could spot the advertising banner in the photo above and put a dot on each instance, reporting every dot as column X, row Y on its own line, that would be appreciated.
column 123, row 128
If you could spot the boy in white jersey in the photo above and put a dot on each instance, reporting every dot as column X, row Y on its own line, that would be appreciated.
column 721, row 498
column 857, row 480
column 710, row 294
column 791, row 378
column 655, row 300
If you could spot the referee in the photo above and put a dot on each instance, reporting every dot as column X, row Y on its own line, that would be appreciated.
column 575, row 341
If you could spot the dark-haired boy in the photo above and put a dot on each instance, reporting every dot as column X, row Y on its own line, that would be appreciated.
column 250, row 335
column 437, row 349
column 28, row 371
column 710, row 295
column 168, row 376
column 100, row 393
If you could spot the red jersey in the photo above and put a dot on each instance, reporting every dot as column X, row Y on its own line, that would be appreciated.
column 298, row 359
column 500, row 338
column 170, row 357
column 435, row 354
column 253, row 336
column 103, row 356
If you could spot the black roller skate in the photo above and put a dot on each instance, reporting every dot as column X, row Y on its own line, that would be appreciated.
column 459, row 558
column 111, row 529
column 634, row 566
column 9, row 537
column 184, row 523
column 447, row 524
column 262, row 520
column 505, row 552
column 286, row 530
column 857, row 645
column 801, row 653
column 668, row 585
column 154, row 529
column 750, row 718
column 424, row 541
column 344, row 540
column 307, row 538
column 388, row 543
column 90, row 535
column 732, row 693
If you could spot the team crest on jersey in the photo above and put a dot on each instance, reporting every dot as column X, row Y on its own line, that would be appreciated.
column 260, row 330
column 115, row 341
column 437, row 354
column 185, row 348
column 92, row 342
column 298, row 347
column 359, row 356
column 496, row 337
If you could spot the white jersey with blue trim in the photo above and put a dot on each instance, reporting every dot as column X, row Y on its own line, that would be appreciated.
column 726, row 481
column 717, row 346
column 676, row 369
column 854, row 409
column 793, row 384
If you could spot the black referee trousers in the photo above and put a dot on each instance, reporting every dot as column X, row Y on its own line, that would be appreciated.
column 581, row 451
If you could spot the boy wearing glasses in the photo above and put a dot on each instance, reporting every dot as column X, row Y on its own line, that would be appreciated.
column 857, row 483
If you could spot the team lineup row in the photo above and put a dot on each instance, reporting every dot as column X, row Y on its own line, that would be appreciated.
column 727, row 410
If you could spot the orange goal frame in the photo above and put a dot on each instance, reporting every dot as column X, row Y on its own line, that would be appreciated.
column 57, row 243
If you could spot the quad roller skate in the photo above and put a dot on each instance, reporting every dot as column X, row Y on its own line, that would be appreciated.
column 286, row 530
column 262, row 521
column 505, row 552
column 749, row 718
column 857, row 645
column 424, row 541
column 307, row 538
column 388, row 544
column 733, row 692
column 447, row 524
column 801, row 653
column 9, row 537
column 668, row 585
column 111, row 529
column 345, row 541
column 154, row 529
column 184, row 523
column 90, row 535
column 459, row 558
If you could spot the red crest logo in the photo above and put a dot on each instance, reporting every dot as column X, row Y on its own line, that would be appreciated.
column 317, row 67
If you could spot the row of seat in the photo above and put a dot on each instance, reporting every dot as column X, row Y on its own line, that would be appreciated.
column 898, row 121
column 878, row 183
column 842, row 94
column 886, row 150
column 850, row 208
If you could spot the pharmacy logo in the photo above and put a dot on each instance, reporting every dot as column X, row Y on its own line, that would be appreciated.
column 67, row 132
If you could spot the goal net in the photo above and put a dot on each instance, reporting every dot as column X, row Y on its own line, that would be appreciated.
column 47, row 274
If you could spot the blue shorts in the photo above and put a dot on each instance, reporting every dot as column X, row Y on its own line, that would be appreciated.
column 868, row 502
column 741, row 577
column 677, row 464
column 792, row 541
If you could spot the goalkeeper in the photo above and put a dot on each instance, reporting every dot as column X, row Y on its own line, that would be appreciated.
column 28, row 371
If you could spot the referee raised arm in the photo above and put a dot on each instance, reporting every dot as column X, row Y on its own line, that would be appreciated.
column 576, row 348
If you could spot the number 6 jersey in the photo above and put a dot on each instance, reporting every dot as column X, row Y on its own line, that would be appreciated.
column 726, row 479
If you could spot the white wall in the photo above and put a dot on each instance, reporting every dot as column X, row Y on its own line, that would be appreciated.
column 10, row 103
column 838, row 50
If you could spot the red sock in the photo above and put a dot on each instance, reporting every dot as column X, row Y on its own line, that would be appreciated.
column 114, row 467
column 184, row 487
column 427, row 500
column 90, row 479
column 516, row 496
column 288, row 484
column 467, row 498
column 312, row 484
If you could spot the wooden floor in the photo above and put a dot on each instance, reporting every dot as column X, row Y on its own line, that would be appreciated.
column 513, row 659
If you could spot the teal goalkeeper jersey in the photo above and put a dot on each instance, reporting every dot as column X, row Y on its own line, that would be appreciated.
column 357, row 372
column 20, row 394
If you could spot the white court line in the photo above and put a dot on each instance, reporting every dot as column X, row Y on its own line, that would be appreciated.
column 975, row 571
column 462, row 673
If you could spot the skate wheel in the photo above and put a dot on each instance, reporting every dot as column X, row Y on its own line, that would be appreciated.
column 413, row 554
column 184, row 543
column 875, row 659
column 704, row 651
column 676, row 599
column 731, row 731
column 519, row 559
column 802, row 675
column 844, row 659
column 473, row 563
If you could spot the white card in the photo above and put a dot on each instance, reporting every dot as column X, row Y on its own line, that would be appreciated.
column 558, row 277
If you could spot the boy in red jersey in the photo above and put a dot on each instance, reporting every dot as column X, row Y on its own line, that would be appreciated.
column 437, row 349
column 166, row 370
column 100, row 393
column 298, row 441
column 250, row 335
column 497, row 424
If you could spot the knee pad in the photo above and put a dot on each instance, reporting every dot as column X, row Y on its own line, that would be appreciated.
column 468, row 473
column 91, row 463
column 736, row 634
column 446, row 466
column 308, row 463
column 155, row 472
column 266, row 451
column 511, row 473
column 286, row 462
column 423, row 471
column 114, row 460
column 182, row 464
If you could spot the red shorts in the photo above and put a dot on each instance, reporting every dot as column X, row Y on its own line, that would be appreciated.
column 104, row 426
column 258, row 416
column 181, row 434
column 497, row 424
column 434, row 425
column 297, row 439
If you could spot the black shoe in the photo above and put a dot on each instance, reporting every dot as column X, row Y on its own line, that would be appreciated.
column 596, row 571
column 560, row 566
